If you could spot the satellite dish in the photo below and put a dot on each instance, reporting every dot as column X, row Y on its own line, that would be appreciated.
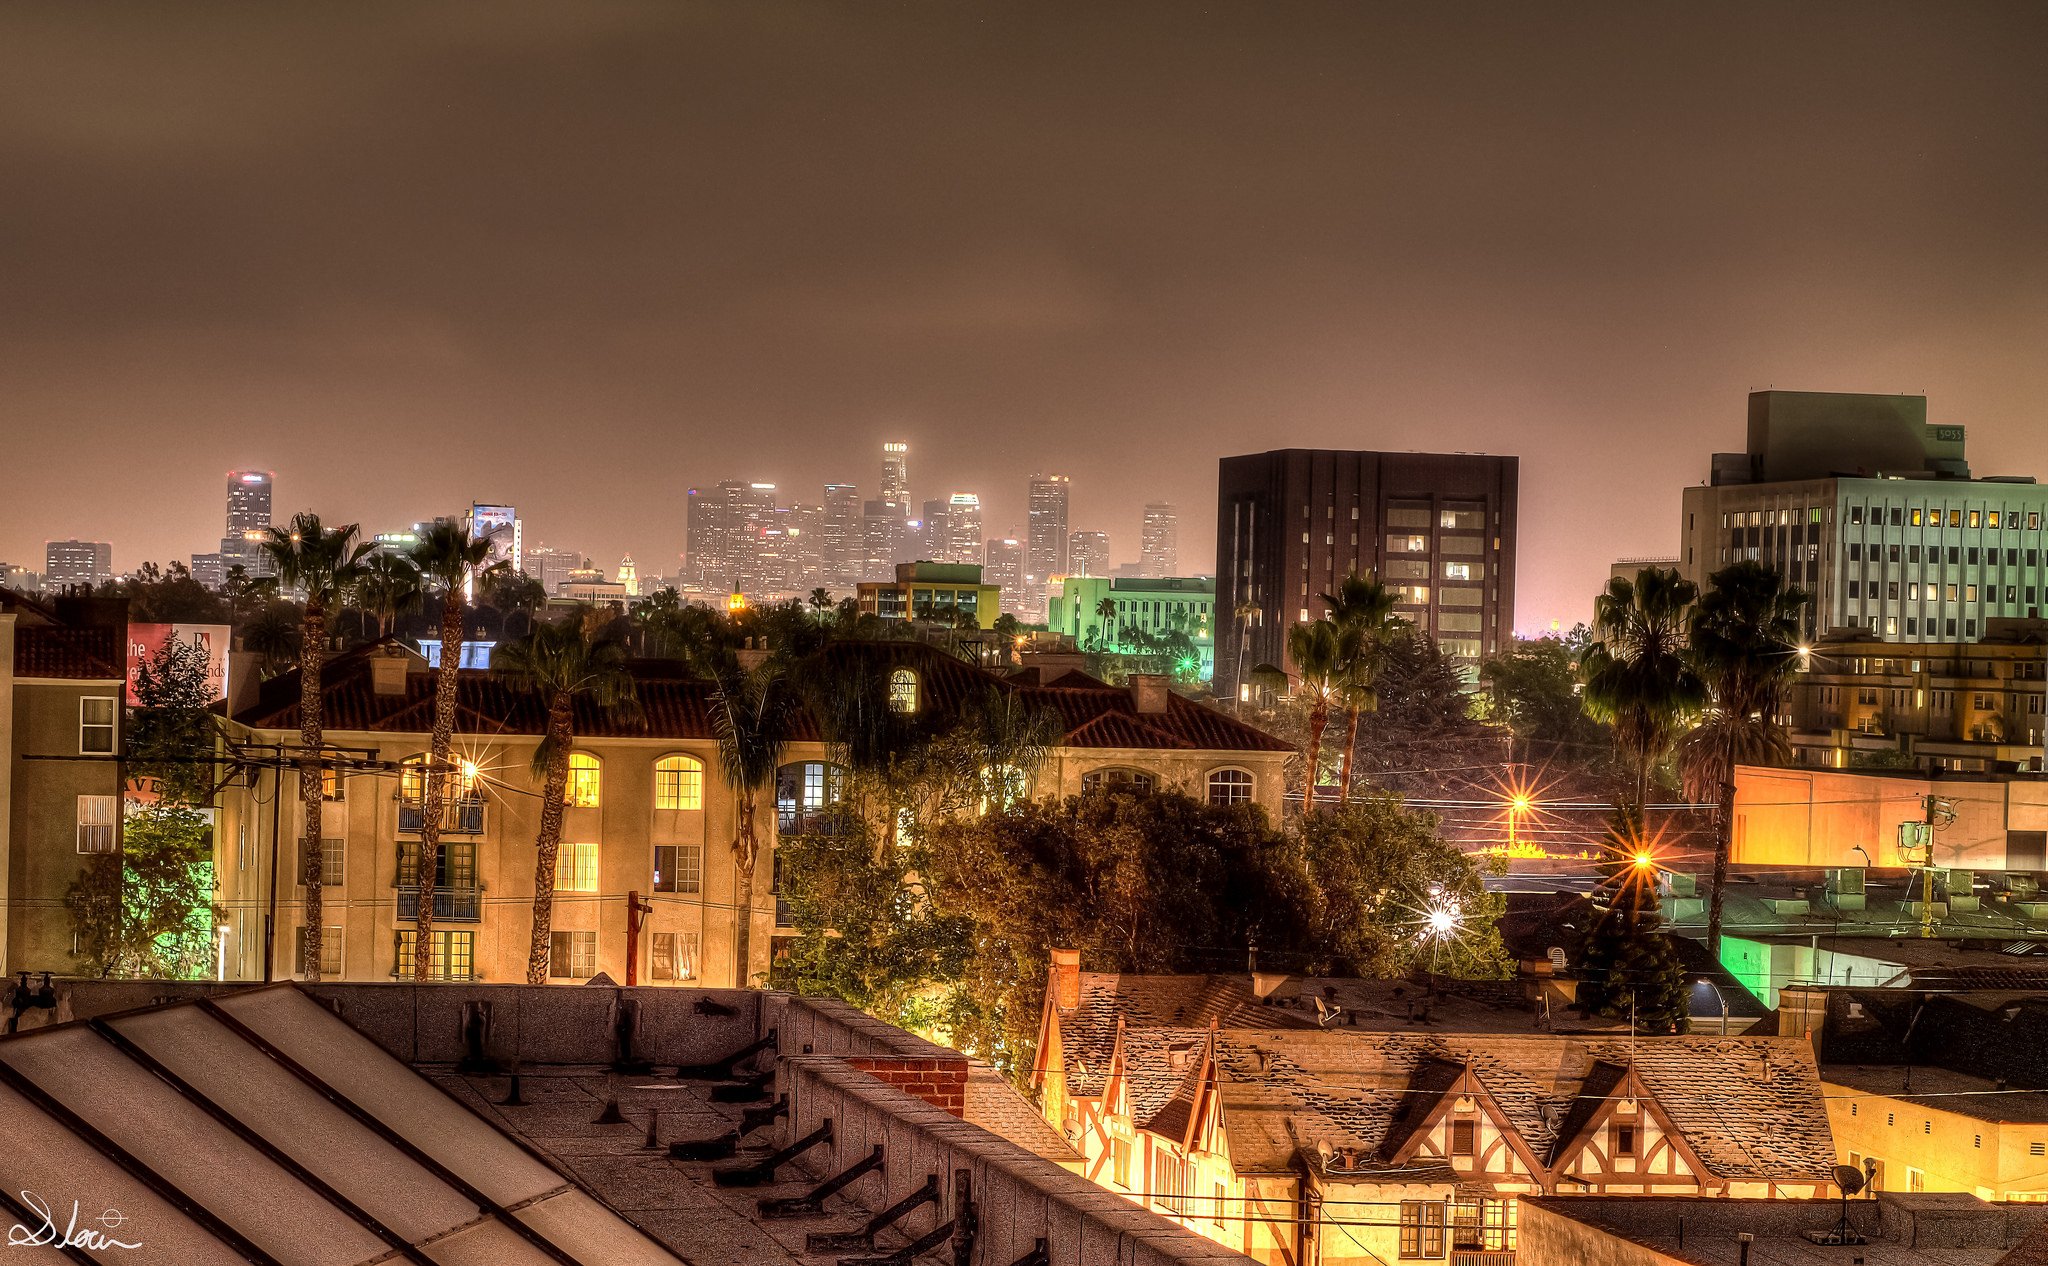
column 1849, row 1179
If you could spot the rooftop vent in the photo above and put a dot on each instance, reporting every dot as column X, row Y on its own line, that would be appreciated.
column 387, row 671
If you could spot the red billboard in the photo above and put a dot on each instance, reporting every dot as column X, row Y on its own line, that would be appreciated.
column 145, row 640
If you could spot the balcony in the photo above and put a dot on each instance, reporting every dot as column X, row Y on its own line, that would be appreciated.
column 1482, row 1257
column 452, row 903
column 463, row 817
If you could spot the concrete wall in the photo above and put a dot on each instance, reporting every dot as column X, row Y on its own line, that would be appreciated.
column 1592, row 1231
column 1818, row 817
column 41, row 844
column 1020, row 1198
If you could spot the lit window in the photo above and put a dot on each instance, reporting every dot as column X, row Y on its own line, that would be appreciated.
column 679, row 783
column 572, row 955
column 805, row 788
column 675, row 956
column 1229, row 786
column 576, row 867
column 96, row 823
column 96, row 725
column 452, row 955
column 582, row 790
column 903, row 691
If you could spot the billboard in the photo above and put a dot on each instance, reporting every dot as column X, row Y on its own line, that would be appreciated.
column 500, row 526
column 145, row 640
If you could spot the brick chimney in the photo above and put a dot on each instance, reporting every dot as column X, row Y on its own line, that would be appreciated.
column 1066, row 979
column 1150, row 693
column 387, row 671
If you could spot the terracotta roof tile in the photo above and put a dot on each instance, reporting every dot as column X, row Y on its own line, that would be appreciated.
column 91, row 653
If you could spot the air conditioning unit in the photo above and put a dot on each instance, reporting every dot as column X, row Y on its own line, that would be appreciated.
column 1961, row 887
column 1845, row 888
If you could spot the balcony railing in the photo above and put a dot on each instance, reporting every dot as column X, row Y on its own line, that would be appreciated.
column 463, row 817
column 1482, row 1257
column 456, row 904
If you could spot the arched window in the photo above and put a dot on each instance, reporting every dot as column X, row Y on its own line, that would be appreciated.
column 585, row 787
column 903, row 691
column 679, row 783
column 1117, row 779
column 462, row 804
column 1229, row 786
column 805, row 788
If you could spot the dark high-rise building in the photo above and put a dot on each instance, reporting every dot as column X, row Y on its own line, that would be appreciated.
column 248, row 515
column 1159, row 544
column 1292, row 523
column 1088, row 554
column 77, row 563
column 1005, row 569
column 840, row 552
column 1045, row 532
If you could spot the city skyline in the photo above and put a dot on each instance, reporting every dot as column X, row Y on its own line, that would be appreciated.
column 1208, row 236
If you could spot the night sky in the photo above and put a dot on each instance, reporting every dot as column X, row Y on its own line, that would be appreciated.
column 580, row 257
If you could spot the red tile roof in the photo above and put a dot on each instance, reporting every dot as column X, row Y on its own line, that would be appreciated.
column 79, row 654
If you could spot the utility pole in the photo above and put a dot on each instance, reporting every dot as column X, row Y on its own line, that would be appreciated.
column 635, row 907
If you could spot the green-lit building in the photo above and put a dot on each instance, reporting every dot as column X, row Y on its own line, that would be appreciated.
column 932, row 591
column 1153, row 608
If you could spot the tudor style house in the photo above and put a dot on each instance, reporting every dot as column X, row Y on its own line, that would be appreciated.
column 1300, row 1130
column 648, row 812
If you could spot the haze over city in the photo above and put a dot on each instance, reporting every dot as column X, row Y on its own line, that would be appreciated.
column 582, row 258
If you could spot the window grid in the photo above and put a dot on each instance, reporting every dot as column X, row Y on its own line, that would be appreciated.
column 585, row 786
column 96, row 823
column 96, row 725
column 333, row 853
column 572, row 955
column 675, row 956
column 576, row 866
column 679, row 868
column 679, row 783
column 453, row 955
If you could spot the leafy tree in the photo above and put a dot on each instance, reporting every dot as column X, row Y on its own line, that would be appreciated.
column 390, row 586
column 449, row 559
column 147, row 911
column 753, row 715
column 1534, row 689
column 1390, row 895
column 1626, row 961
column 1745, row 648
column 320, row 564
column 172, row 726
column 169, row 595
column 572, row 660
column 1638, row 676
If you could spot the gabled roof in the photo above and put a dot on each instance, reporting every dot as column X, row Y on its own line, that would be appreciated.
column 1144, row 1005
column 1096, row 714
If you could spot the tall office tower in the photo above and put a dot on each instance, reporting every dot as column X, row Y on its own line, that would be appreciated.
column 803, row 528
column 1045, row 527
column 248, row 515
column 896, row 474
column 551, row 567
column 629, row 576
column 1159, row 544
column 1857, row 500
column 77, row 563
column 883, row 527
column 1292, row 523
column 1005, row 569
column 1088, row 554
column 961, row 534
column 840, row 555
column 704, row 541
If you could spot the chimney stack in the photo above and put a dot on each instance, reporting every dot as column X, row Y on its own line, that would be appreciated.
column 1149, row 693
column 1066, row 979
column 387, row 671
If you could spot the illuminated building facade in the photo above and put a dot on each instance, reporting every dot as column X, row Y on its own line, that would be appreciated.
column 1159, row 541
column 1144, row 608
column 1045, row 532
column 1004, row 569
column 77, row 563
column 1087, row 554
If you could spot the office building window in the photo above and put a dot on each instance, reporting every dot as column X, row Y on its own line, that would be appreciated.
column 675, row 956
column 679, row 783
column 585, row 787
column 576, row 866
column 679, row 868
column 572, row 955
column 96, row 725
column 96, row 823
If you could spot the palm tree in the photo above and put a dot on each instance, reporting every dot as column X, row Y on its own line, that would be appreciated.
column 1637, row 673
column 565, row 663
column 389, row 587
column 1318, row 652
column 1745, row 647
column 320, row 563
column 1105, row 613
column 753, row 711
column 1363, row 611
column 448, row 558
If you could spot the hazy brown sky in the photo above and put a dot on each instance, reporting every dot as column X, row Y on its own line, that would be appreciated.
column 579, row 256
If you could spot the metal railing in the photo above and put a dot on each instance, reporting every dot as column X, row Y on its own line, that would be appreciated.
column 456, row 904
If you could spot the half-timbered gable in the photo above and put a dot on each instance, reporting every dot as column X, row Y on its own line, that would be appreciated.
column 1618, row 1140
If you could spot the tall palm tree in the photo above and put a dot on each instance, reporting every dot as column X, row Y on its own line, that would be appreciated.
column 1745, row 647
column 389, row 587
column 753, row 711
column 452, row 561
column 320, row 564
column 570, row 661
column 1363, row 611
column 1318, row 652
column 1637, row 673
column 1105, row 611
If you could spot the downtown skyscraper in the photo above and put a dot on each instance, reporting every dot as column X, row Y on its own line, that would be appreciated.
column 1159, row 542
column 1045, row 535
